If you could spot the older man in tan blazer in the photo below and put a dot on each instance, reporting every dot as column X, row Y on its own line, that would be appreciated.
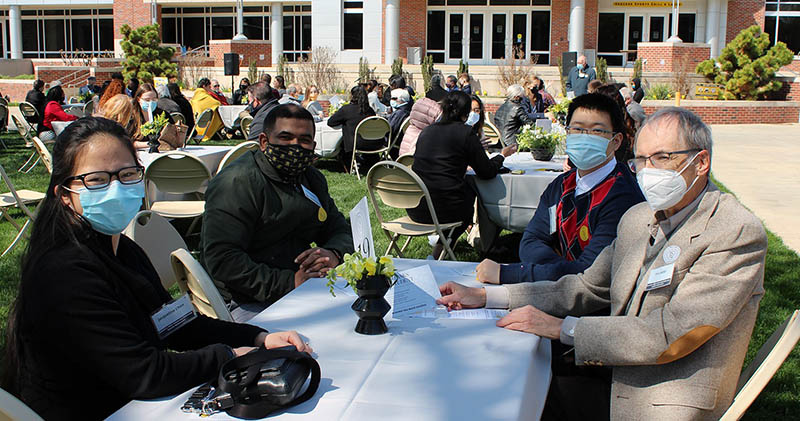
column 683, row 279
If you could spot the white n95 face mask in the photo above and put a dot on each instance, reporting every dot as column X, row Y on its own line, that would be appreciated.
column 663, row 189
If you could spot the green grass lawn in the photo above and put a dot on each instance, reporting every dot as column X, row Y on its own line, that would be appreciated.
column 780, row 399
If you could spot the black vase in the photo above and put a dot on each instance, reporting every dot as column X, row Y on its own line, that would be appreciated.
column 370, row 306
column 152, row 141
column 542, row 154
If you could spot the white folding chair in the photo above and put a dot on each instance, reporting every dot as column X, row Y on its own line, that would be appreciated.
column 19, row 199
column 44, row 154
column 407, row 160
column 30, row 113
column 766, row 363
column 88, row 108
column 399, row 187
column 24, row 129
column 202, row 122
column 374, row 128
column 178, row 118
column 236, row 152
column 193, row 280
column 244, row 124
column 13, row 409
column 177, row 172
column 158, row 238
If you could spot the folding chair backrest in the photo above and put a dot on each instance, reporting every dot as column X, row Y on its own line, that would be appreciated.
column 767, row 361
column 373, row 128
column 3, row 114
column 236, row 152
column 177, row 172
column 13, row 190
column 396, row 185
column 28, row 110
column 194, row 280
column 13, row 409
column 74, row 100
column 158, row 238
column 22, row 127
column 490, row 130
column 178, row 118
column 44, row 153
column 204, row 119
column 88, row 108
column 245, row 125
column 407, row 159
column 3, row 101
column 399, row 135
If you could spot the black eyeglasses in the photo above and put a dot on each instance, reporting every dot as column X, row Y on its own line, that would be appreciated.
column 659, row 160
column 98, row 180
column 581, row 130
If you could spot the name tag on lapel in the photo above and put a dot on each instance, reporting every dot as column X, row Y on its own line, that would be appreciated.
column 313, row 198
column 552, row 219
column 660, row 277
column 173, row 316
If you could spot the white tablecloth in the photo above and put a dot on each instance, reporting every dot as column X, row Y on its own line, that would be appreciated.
column 229, row 113
column 210, row 155
column 329, row 139
column 74, row 109
column 423, row 369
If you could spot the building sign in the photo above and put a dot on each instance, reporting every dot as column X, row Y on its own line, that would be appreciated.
column 707, row 91
column 643, row 4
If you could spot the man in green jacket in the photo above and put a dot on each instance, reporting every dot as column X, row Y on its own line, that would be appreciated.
column 263, row 212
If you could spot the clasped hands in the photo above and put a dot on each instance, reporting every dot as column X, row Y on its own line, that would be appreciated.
column 314, row 263
column 525, row 319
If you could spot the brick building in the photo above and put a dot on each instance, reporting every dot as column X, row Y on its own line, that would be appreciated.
column 480, row 32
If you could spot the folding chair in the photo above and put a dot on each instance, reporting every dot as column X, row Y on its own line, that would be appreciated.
column 17, row 199
column 767, row 361
column 3, row 122
column 73, row 100
column 158, row 238
column 178, row 118
column 399, row 187
column 44, row 154
column 193, row 280
column 398, row 137
column 407, row 160
column 14, row 409
column 244, row 124
column 29, row 112
column 177, row 173
column 236, row 152
column 201, row 123
column 3, row 101
column 373, row 128
column 491, row 132
column 88, row 108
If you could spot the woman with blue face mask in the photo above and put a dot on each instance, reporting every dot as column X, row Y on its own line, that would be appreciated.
column 147, row 98
column 83, row 321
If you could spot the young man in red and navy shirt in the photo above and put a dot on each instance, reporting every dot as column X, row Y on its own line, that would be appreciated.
column 579, row 211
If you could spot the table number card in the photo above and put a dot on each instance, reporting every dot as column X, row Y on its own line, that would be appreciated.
column 362, row 229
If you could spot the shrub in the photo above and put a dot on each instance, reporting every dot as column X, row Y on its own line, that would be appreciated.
column 193, row 68
column 365, row 74
column 397, row 67
column 637, row 69
column 601, row 67
column 746, row 67
column 561, row 77
column 463, row 67
column 427, row 72
column 320, row 69
column 660, row 91
column 145, row 58
column 284, row 70
column 680, row 77
column 515, row 69
column 252, row 71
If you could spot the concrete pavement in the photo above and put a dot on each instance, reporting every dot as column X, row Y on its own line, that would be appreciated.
column 760, row 163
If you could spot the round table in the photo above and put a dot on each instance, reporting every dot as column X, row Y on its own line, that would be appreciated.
column 329, row 139
column 229, row 114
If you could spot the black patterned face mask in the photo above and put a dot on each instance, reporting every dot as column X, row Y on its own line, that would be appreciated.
column 289, row 160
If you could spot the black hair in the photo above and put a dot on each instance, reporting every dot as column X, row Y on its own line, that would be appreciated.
column 103, row 88
column 456, row 107
column 280, row 81
column 625, row 150
column 56, row 93
column 436, row 81
column 38, row 84
column 203, row 82
column 397, row 82
column 174, row 91
column 266, row 78
column 478, row 127
column 244, row 79
column 601, row 103
column 287, row 111
column 118, row 76
column 55, row 225
column 133, row 85
column 358, row 96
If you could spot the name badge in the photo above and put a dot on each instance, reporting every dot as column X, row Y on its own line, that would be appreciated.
column 660, row 277
column 553, row 213
column 173, row 316
column 321, row 214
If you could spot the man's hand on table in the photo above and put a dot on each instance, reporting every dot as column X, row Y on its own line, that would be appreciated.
column 488, row 272
column 316, row 262
column 532, row 320
column 456, row 296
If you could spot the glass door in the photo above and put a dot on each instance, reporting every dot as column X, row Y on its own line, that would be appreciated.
column 498, row 36
column 635, row 35
column 520, row 35
column 456, row 33
column 476, row 37
column 656, row 32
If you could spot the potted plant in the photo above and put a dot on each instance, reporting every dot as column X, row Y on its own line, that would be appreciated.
column 540, row 143
column 86, row 97
column 152, row 131
column 560, row 110
column 370, row 279
column 332, row 109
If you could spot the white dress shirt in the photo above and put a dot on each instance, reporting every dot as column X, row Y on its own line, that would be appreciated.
column 589, row 181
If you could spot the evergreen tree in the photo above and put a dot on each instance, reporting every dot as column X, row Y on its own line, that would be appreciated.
column 145, row 58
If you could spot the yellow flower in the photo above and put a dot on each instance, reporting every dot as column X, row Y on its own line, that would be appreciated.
column 384, row 260
column 371, row 266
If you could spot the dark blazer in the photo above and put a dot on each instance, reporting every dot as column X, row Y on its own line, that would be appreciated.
column 436, row 93
column 238, row 96
column 348, row 117
column 36, row 98
column 89, row 344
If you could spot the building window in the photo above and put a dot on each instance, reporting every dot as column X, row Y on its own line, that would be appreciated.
column 540, row 36
column 435, row 42
column 686, row 26
column 353, row 25
column 46, row 33
column 612, row 26
column 296, row 32
column 782, row 23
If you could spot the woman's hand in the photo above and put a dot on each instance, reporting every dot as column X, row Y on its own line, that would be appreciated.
column 281, row 339
column 508, row 150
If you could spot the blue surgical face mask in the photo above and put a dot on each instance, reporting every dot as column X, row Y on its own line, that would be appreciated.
column 109, row 210
column 394, row 104
column 472, row 119
column 302, row 97
column 586, row 151
column 148, row 105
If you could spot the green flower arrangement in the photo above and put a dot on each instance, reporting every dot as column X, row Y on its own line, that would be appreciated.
column 86, row 97
column 155, row 126
column 334, row 108
column 355, row 266
column 560, row 109
column 533, row 138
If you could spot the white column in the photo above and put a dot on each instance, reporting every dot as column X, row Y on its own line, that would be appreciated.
column 276, row 31
column 576, row 22
column 391, row 37
column 15, row 29
column 712, row 26
column 239, row 21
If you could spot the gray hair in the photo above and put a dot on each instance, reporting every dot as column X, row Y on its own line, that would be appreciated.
column 514, row 91
column 691, row 128
column 436, row 80
column 291, row 90
column 163, row 92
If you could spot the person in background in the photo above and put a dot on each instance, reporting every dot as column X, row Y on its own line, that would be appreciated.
column 381, row 89
column 280, row 85
column 90, row 86
column 310, row 103
column 511, row 116
column 533, row 104
column 397, row 82
column 264, row 210
column 186, row 108
column 579, row 211
column 216, row 92
column 348, row 117
column 451, row 84
column 147, row 99
column 122, row 109
column 593, row 85
column 266, row 78
column 53, row 112
column 463, row 83
column 423, row 113
column 638, row 89
column 683, row 281
column 374, row 99
column 579, row 78
column 625, row 151
column 444, row 150
column 103, row 88
column 203, row 100
column 240, row 95
column 165, row 102
column 635, row 110
column 114, row 88
column 537, row 83
column 261, row 103
column 292, row 95
column 436, row 92
column 400, row 109
column 36, row 98
column 133, row 87
column 81, row 324
column 477, row 119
